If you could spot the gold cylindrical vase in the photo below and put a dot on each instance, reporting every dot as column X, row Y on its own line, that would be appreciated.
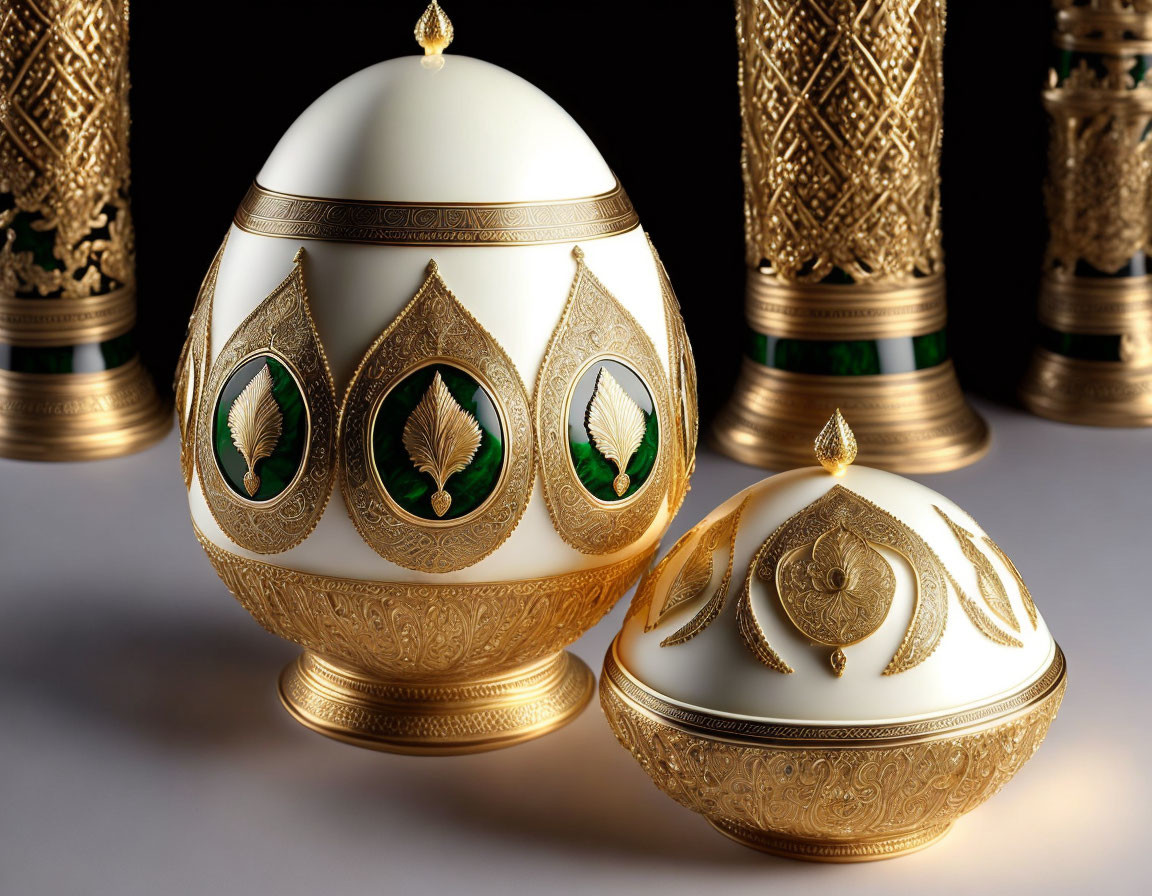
column 1093, row 360
column 71, row 383
column 842, row 104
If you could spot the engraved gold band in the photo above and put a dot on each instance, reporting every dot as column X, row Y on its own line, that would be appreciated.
column 437, row 718
column 835, row 312
column 42, row 323
column 337, row 617
column 1094, row 393
column 916, row 422
column 1096, row 305
column 79, row 416
column 746, row 732
column 269, row 213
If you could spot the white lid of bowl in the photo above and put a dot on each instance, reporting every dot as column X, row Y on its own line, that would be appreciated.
column 988, row 644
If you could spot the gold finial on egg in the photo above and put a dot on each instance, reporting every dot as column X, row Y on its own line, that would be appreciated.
column 836, row 445
column 434, row 30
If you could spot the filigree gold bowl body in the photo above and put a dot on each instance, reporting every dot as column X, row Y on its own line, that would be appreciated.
column 830, row 793
column 430, row 668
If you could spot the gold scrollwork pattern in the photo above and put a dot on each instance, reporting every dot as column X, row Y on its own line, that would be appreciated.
column 682, row 366
column 1099, row 190
column 842, row 108
column 434, row 326
column 405, row 631
column 280, row 327
column 696, row 575
column 192, row 367
column 1099, row 187
column 63, row 65
column 850, row 800
column 836, row 591
column 841, row 508
column 594, row 325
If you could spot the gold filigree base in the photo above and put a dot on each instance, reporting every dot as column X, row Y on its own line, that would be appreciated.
column 852, row 792
column 865, row 850
column 438, row 719
column 1092, row 393
column 914, row 422
column 80, row 416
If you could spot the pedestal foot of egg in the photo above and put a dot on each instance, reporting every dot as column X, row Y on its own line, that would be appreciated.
column 441, row 719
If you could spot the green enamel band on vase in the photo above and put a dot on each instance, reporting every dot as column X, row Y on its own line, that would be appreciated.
column 861, row 357
column 1081, row 346
column 91, row 357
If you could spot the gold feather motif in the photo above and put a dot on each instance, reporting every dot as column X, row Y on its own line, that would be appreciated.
column 1025, row 594
column 721, row 531
column 616, row 425
column 981, row 620
column 441, row 438
column 991, row 588
column 256, row 424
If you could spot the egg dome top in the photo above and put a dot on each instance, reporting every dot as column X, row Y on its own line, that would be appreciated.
column 403, row 131
column 830, row 596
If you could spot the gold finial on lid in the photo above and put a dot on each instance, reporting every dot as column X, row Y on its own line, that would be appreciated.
column 836, row 445
column 434, row 30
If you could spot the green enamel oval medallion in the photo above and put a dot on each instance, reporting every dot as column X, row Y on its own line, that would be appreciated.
column 260, row 429
column 613, row 431
column 437, row 443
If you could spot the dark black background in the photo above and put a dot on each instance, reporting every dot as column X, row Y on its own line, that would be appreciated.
column 653, row 84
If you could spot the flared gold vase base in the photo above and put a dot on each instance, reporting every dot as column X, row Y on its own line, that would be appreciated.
column 80, row 416
column 1092, row 393
column 436, row 719
column 915, row 422
column 863, row 850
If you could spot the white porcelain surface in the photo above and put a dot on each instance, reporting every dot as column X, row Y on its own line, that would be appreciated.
column 717, row 672
column 469, row 131
column 404, row 132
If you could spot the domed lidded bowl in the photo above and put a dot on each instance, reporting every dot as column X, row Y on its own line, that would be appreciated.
column 437, row 404
column 835, row 664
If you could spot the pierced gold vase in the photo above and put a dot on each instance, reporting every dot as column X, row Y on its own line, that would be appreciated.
column 1093, row 362
column 845, row 299
column 71, row 384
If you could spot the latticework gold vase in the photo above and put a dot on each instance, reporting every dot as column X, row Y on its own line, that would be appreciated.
column 845, row 300
column 71, row 384
column 1093, row 361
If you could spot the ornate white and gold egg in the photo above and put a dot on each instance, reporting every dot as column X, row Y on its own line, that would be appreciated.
column 834, row 664
column 437, row 404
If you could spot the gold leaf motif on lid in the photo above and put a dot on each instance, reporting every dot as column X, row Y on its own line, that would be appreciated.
column 616, row 425
column 836, row 445
column 692, row 575
column 837, row 590
column 256, row 423
column 991, row 588
column 441, row 438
